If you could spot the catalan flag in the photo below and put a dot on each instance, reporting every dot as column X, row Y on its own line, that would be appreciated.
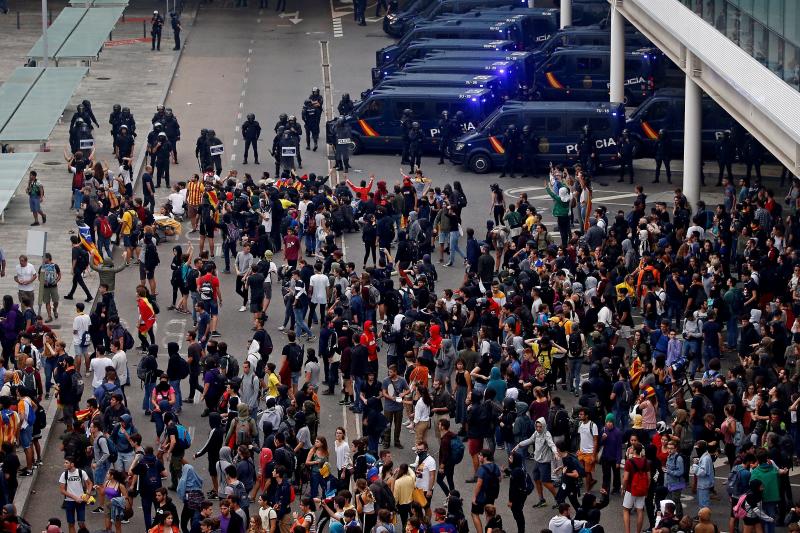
column 88, row 243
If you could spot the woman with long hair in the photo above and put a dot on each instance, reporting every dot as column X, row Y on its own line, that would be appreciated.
column 403, row 490
column 317, row 458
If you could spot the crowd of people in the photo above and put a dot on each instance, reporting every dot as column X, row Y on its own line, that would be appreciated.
column 683, row 318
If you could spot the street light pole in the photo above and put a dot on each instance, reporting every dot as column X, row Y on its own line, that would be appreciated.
column 46, row 60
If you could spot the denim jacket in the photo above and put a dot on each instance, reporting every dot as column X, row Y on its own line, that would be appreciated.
column 673, row 472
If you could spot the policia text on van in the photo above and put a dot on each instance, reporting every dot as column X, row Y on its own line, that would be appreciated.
column 556, row 125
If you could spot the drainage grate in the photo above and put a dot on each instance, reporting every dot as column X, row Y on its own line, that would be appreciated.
column 104, row 78
column 52, row 163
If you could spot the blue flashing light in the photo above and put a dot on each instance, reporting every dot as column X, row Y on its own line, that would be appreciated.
column 474, row 99
column 502, row 71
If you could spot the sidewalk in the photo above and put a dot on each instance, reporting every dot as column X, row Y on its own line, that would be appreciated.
column 127, row 73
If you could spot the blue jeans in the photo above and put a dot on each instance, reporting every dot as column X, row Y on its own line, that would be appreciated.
column 148, row 391
column 317, row 482
column 77, row 199
column 621, row 418
column 454, row 249
column 195, row 299
column 124, row 461
column 228, row 250
column 770, row 508
column 733, row 330
column 575, row 367
column 299, row 322
column 674, row 312
column 311, row 242
column 50, row 365
column 709, row 353
column 691, row 351
column 662, row 403
column 103, row 244
column 176, row 384
column 358, row 382
column 703, row 498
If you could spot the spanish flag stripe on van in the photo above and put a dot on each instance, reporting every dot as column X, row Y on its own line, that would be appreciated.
column 497, row 145
column 554, row 83
column 649, row 131
column 369, row 132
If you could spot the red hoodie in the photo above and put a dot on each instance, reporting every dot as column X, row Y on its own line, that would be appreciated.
column 361, row 192
column 368, row 340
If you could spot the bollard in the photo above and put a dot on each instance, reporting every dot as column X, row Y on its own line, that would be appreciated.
column 17, row 19
column 49, row 17
column 144, row 30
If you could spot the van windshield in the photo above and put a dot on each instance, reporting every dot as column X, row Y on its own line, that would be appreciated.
column 487, row 124
column 412, row 6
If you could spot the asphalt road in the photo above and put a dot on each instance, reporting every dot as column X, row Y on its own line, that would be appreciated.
column 241, row 61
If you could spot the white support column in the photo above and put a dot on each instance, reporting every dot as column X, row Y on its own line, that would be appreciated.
column 692, row 153
column 45, row 51
column 617, row 78
column 566, row 13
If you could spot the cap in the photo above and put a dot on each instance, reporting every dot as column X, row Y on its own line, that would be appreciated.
column 126, row 418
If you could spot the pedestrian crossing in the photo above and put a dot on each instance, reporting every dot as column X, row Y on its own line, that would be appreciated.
column 338, row 30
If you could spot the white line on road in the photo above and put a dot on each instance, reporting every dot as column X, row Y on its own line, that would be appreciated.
column 248, row 59
column 245, row 80
column 241, row 105
column 258, row 21
column 238, row 116
column 247, row 69
column 233, row 157
column 237, row 127
column 235, row 141
column 250, row 50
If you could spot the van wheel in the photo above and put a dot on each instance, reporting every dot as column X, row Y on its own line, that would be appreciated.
column 358, row 146
column 480, row 163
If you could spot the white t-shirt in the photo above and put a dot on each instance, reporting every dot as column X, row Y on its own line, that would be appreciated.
column 267, row 516
column 120, row 362
column 319, row 286
column 587, row 432
column 422, row 412
column 312, row 367
column 98, row 366
column 427, row 466
column 176, row 199
column 80, row 325
column 25, row 273
column 75, row 480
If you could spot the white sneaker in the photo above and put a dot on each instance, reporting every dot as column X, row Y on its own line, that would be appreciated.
column 242, row 309
column 281, row 328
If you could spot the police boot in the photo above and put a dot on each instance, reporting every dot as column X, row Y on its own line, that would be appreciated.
column 257, row 163
column 315, row 146
column 244, row 162
column 503, row 175
column 621, row 179
column 308, row 146
column 441, row 162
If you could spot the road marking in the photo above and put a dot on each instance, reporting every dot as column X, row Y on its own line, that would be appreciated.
column 338, row 30
column 247, row 69
column 248, row 59
column 238, row 116
column 373, row 19
column 236, row 129
column 243, row 93
column 233, row 157
column 258, row 21
column 235, row 141
column 245, row 80
column 250, row 50
column 241, row 105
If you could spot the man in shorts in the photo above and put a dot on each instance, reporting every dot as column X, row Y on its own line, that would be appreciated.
column 588, row 447
column 50, row 275
column 635, row 464
column 75, row 486
column 544, row 450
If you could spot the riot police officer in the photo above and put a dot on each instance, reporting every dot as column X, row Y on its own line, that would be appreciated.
column 176, row 29
column 125, row 117
column 415, row 140
column 216, row 159
column 625, row 154
column 114, row 121
column 311, row 116
column 445, row 136
column 343, row 141
column 173, row 131
column 202, row 152
column 752, row 152
column 725, row 153
column 296, row 131
column 530, row 148
column 80, row 132
column 587, row 151
column 89, row 114
column 511, row 145
column 345, row 106
column 161, row 152
column 276, row 149
column 289, row 150
column 82, row 115
column 283, row 120
column 159, row 115
column 123, row 143
column 152, row 140
column 663, row 154
column 405, row 124
column 156, row 25
column 316, row 99
column 251, row 132
column 359, row 12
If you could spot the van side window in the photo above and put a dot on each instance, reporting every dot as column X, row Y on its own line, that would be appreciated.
column 657, row 111
column 588, row 64
column 504, row 122
column 599, row 125
column 441, row 107
column 553, row 125
column 632, row 66
column 554, row 63
column 537, row 124
column 417, row 108
column 373, row 109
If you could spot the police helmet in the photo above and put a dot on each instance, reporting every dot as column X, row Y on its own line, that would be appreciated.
column 283, row 117
column 157, row 126
column 159, row 108
column 512, row 127
column 526, row 128
column 415, row 124
column 407, row 112
column 626, row 131
column 168, row 111
column 126, row 110
column 155, row 12
column 212, row 133
column 86, row 103
column 123, row 127
column 444, row 114
column 281, row 129
column 80, row 108
column 662, row 132
column 585, row 128
column 251, row 116
column 204, row 131
column 162, row 135
column 307, row 103
column 292, row 118
column 346, row 96
column 116, row 108
column 79, row 120
column 315, row 91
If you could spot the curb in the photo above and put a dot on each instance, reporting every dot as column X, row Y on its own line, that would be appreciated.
column 26, row 484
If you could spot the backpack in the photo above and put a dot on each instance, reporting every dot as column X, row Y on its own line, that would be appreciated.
column 31, row 411
column 77, row 385
column 127, row 340
column 184, row 437
column 585, row 529
column 561, row 425
column 112, row 451
column 734, row 484
column 107, row 392
column 495, row 351
column 491, row 486
column 738, row 435
column 529, row 486
column 233, row 232
column 708, row 406
column 141, row 371
column 49, row 275
column 78, row 180
column 105, row 228
column 82, row 261
column 152, row 477
column 627, row 393
column 738, row 509
column 220, row 380
column 29, row 380
column 456, row 450
column 206, row 290
column 41, row 418
column 295, row 358
column 229, row 365
column 183, row 368
column 374, row 295
column 640, row 480
column 687, row 439
column 575, row 345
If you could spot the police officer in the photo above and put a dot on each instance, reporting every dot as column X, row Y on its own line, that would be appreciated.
column 405, row 125
column 173, row 131
column 461, row 123
column 202, row 152
column 316, row 99
column 346, row 105
column 378, row 5
column 725, row 153
column 587, row 151
column 81, row 133
column 289, row 150
column 415, row 140
column 296, row 131
column 161, row 152
column 176, row 29
column 251, row 132
column 343, row 141
column 152, row 140
column 311, row 116
column 752, row 152
column 114, row 121
column 359, row 11
column 663, row 154
column 511, row 145
column 530, row 148
column 82, row 115
column 89, row 114
column 126, row 118
column 123, row 143
column 625, row 154
column 445, row 136
column 159, row 115
column 281, row 5
column 156, row 25
column 213, row 140
column 276, row 149
column 283, row 121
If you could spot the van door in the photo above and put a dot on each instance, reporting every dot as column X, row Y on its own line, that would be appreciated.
column 549, row 79
column 588, row 78
column 372, row 122
column 552, row 141
column 395, row 113
column 498, row 130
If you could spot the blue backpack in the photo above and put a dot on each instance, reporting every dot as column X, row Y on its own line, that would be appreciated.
column 456, row 450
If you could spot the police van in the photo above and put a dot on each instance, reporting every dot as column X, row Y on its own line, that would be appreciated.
column 583, row 73
column 375, row 121
column 423, row 79
column 507, row 71
column 665, row 110
column 425, row 47
column 396, row 24
column 586, row 36
column 405, row 9
column 557, row 125
column 524, row 60
column 584, row 12
column 536, row 24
